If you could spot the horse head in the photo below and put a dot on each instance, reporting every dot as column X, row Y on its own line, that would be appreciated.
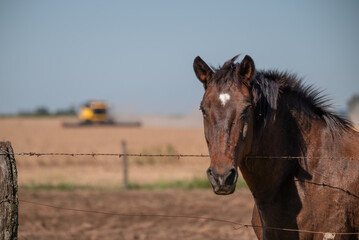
column 228, row 118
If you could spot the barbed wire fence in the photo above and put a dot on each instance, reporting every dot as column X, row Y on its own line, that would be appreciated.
column 124, row 155
column 39, row 154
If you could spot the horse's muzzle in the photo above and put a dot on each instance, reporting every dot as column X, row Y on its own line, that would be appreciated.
column 225, row 183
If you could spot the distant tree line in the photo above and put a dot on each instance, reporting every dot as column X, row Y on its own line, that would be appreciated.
column 44, row 112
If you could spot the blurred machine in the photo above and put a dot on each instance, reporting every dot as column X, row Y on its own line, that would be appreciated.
column 95, row 113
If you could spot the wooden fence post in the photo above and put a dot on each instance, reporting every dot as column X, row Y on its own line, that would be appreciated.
column 8, row 193
column 125, row 172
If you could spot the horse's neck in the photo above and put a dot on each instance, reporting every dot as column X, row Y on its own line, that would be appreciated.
column 282, row 136
column 267, row 170
column 291, row 133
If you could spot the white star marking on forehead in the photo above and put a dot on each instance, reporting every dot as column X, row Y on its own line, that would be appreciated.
column 224, row 97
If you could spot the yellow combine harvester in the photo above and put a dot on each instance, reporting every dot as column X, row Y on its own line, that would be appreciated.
column 95, row 113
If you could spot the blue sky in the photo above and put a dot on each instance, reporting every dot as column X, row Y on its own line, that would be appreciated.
column 138, row 55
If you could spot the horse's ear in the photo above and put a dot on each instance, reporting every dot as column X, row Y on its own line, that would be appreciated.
column 203, row 72
column 246, row 69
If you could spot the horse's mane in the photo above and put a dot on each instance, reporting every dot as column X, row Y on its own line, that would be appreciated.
column 269, row 86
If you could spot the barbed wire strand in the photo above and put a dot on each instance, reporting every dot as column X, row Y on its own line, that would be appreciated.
column 130, row 215
column 103, row 154
column 38, row 154
column 239, row 225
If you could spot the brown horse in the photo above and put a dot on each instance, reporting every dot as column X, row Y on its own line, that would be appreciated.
column 299, row 159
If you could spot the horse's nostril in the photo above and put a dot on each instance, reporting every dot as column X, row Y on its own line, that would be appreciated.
column 211, row 177
column 231, row 177
column 212, row 174
column 209, row 172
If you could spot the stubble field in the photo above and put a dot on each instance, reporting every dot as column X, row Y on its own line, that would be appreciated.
column 95, row 184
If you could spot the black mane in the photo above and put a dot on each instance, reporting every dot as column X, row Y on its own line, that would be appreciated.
column 268, row 87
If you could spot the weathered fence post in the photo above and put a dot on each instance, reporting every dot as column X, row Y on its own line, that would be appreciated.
column 8, row 193
column 125, row 173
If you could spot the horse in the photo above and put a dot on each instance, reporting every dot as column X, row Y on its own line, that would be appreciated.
column 298, row 157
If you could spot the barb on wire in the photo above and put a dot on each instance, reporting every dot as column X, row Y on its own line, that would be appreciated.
column 237, row 226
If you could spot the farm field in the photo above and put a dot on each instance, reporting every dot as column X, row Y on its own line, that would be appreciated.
column 37, row 222
column 47, row 135
column 95, row 183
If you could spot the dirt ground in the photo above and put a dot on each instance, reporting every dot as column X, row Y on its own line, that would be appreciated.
column 40, row 222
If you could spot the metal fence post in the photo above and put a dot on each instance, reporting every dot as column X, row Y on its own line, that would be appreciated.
column 125, row 170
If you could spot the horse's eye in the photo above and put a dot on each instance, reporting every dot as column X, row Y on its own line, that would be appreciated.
column 245, row 113
column 243, row 116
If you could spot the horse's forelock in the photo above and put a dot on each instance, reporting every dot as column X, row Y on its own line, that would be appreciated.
column 230, row 63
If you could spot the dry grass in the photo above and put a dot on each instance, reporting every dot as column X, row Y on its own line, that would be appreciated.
column 47, row 135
